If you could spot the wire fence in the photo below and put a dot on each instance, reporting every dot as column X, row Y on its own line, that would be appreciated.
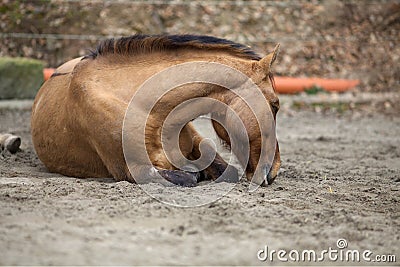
column 94, row 37
column 346, row 39
column 282, row 3
column 298, row 37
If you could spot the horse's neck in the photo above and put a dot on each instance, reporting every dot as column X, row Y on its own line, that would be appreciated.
column 167, row 61
column 191, row 91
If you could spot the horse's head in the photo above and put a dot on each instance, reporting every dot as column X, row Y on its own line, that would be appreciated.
column 262, row 166
column 265, row 81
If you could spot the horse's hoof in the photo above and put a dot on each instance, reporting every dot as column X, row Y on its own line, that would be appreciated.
column 182, row 178
column 190, row 168
column 230, row 175
column 12, row 143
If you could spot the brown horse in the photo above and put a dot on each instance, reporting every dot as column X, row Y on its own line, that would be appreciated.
column 78, row 114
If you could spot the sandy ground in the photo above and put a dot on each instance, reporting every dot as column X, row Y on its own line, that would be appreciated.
column 340, row 178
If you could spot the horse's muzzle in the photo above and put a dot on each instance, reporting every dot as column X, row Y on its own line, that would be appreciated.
column 269, row 177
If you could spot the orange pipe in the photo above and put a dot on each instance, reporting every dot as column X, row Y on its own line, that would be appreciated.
column 288, row 85
column 47, row 72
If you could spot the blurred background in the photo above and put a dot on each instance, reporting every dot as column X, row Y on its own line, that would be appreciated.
column 340, row 173
column 323, row 38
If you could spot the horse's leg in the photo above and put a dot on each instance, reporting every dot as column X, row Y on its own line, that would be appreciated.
column 218, row 165
column 114, row 159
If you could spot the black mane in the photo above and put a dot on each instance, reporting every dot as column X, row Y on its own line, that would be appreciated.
column 141, row 43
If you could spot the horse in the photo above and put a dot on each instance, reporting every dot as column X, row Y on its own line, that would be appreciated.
column 78, row 114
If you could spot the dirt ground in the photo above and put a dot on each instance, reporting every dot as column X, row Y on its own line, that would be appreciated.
column 340, row 178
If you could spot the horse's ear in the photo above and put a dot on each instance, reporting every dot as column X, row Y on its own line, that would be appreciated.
column 267, row 61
